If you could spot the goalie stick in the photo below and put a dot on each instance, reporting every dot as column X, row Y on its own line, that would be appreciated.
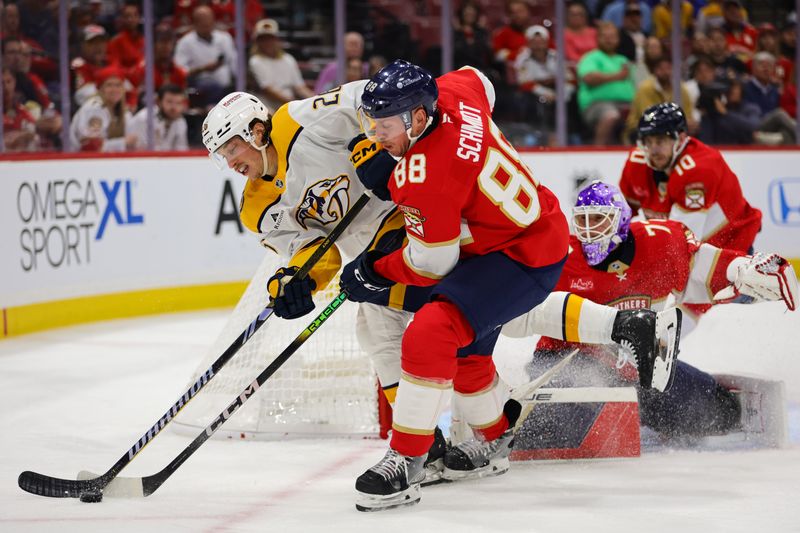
column 43, row 485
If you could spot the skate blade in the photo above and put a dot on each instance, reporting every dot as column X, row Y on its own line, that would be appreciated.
column 494, row 468
column 433, row 473
column 368, row 503
column 668, row 329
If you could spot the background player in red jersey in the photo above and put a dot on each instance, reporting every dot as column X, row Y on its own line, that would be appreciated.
column 640, row 264
column 672, row 175
column 484, row 233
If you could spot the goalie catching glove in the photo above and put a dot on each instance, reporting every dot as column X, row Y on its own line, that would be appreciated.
column 291, row 297
column 373, row 165
column 359, row 279
column 765, row 277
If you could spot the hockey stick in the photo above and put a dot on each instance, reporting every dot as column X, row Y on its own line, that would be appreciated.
column 145, row 486
column 521, row 394
column 53, row 487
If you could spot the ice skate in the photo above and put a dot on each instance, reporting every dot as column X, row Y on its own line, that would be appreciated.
column 393, row 482
column 652, row 340
column 476, row 458
column 434, row 464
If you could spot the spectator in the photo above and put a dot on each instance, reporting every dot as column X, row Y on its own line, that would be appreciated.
column 657, row 89
column 605, row 85
column 509, row 40
column 536, row 66
column 276, row 72
column 768, row 42
column 471, row 38
column 375, row 63
column 99, row 125
column 579, row 37
column 208, row 56
column 19, row 126
column 662, row 18
column 38, row 18
column 353, row 49
column 166, row 70
column 728, row 66
column 127, row 47
column 740, row 35
column 788, row 39
column 631, row 36
column 711, row 16
column 355, row 69
column 762, row 91
column 42, row 65
column 702, row 77
column 615, row 11
column 699, row 46
column 169, row 127
column 727, row 119
column 224, row 14
column 94, row 56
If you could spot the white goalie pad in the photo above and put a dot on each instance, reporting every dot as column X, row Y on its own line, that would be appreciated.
column 764, row 414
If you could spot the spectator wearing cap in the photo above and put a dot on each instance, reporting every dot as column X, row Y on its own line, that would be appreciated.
column 657, row 89
column 169, row 129
column 276, row 72
column 471, row 38
column 579, row 36
column 631, row 36
column 710, row 16
column 127, row 47
column 727, row 64
column 662, row 18
column 605, row 85
column 353, row 49
column 208, row 55
column 740, row 35
column 536, row 66
column 614, row 11
column 509, row 40
column 19, row 126
column 99, row 125
column 166, row 71
column 94, row 56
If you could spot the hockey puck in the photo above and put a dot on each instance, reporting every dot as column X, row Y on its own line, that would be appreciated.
column 92, row 497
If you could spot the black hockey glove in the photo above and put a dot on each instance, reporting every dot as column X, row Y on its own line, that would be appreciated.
column 292, row 298
column 373, row 165
column 360, row 281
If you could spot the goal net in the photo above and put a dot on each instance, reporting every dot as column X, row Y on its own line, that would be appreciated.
column 327, row 388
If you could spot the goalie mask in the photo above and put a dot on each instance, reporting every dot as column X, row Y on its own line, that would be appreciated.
column 234, row 116
column 601, row 220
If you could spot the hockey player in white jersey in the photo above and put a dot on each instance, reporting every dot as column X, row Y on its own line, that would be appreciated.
column 301, row 179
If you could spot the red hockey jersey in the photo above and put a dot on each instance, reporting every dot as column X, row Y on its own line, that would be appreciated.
column 464, row 192
column 702, row 192
column 664, row 258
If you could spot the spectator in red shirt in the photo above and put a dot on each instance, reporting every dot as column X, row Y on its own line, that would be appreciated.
column 19, row 126
column 166, row 70
column 510, row 39
column 740, row 35
column 94, row 56
column 41, row 63
column 579, row 36
column 126, row 49
column 768, row 42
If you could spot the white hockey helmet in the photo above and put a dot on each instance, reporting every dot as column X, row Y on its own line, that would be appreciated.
column 232, row 116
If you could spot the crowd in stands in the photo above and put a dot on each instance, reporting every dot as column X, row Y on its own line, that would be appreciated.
column 738, row 70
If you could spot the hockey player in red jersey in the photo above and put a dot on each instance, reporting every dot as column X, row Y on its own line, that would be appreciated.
column 639, row 265
column 672, row 175
column 484, row 233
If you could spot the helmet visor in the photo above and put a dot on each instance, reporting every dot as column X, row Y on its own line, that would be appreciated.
column 233, row 148
column 595, row 223
column 383, row 129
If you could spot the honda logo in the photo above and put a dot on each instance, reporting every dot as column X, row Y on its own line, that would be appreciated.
column 784, row 201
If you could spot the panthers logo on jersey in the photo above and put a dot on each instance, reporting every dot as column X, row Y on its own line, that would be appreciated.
column 325, row 201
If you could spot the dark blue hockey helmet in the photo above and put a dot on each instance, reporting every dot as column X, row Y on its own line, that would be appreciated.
column 397, row 88
column 662, row 119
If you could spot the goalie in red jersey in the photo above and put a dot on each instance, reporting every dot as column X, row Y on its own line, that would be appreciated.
column 639, row 264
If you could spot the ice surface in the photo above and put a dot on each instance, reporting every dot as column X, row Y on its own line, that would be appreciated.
column 78, row 398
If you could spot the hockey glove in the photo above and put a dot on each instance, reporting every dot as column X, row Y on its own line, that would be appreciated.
column 765, row 277
column 360, row 281
column 373, row 165
column 291, row 297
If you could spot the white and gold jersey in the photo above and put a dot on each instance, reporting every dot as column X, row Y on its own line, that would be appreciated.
column 315, row 184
